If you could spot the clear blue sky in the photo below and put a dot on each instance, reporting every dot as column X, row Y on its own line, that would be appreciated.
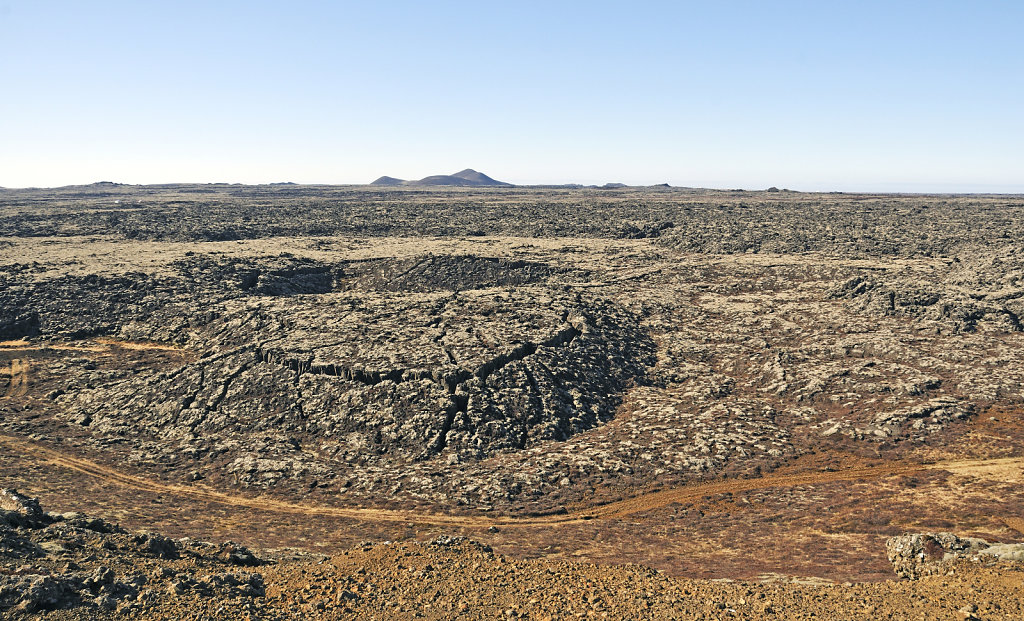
column 914, row 96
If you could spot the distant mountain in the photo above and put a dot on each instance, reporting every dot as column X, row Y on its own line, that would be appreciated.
column 464, row 178
column 453, row 180
column 386, row 180
column 440, row 180
column 477, row 178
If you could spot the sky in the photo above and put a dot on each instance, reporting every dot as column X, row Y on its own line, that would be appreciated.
column 850, row 96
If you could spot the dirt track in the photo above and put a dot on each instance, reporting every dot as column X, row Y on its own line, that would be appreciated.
column 19, row 378
column 614, row 510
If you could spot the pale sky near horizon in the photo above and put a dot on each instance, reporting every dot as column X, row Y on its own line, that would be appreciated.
column 854, row 96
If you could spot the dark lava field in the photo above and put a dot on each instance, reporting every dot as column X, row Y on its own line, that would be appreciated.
column 753, row 386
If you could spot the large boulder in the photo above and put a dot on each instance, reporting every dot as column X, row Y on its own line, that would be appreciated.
column 12, row 500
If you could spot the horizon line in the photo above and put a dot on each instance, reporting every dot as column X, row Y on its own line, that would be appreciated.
column 1017, row 191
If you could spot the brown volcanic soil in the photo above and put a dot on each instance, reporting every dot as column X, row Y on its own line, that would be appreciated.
column 617, row 391
column 451, row 578
column 829, row 524
column 471, row 584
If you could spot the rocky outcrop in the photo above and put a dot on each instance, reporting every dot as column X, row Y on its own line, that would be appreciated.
column 444, row 273
column 14, row 502
column 16, row 323
column 964, row 312
column 914, row 556
column 70, row 561
column 464, row 377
